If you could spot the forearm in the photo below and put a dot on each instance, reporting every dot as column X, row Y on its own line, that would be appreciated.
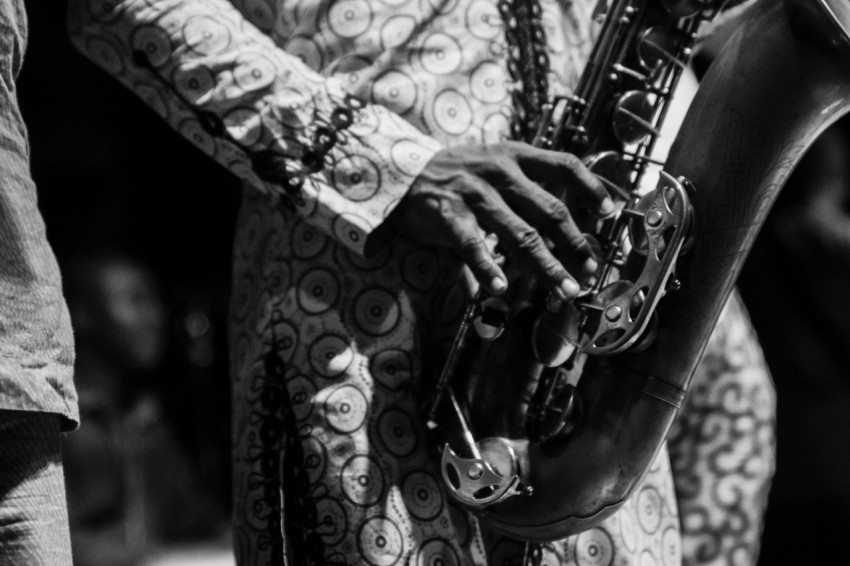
column 257, row 110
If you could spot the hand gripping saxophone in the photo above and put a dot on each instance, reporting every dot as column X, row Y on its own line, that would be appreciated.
column 552, row 413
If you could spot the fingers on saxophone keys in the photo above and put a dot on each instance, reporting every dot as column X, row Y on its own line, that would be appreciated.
column 529, row 247
column 473, row 249
column 552, row 217
column 558, row 172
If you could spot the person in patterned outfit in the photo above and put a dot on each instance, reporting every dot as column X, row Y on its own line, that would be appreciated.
column 370, row 136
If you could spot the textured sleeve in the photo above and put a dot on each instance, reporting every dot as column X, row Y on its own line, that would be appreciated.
column 258, row 110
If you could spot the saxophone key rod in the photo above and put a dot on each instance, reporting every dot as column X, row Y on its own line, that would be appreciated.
column 467, row 434
column 611, row 186
column 451, row 362
column 644, row 158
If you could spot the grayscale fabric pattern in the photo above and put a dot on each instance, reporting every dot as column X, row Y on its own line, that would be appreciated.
column 36, row 344
column 33, row 512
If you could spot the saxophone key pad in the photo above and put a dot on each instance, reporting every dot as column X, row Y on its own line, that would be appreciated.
column 479, row 482
column 491, row 318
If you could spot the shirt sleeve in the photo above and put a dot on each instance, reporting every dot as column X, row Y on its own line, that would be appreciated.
column 257, row 110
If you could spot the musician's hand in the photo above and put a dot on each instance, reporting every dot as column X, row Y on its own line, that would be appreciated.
column 514, row 191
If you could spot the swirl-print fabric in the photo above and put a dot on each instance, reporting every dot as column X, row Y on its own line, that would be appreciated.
column 723, row 446
column 354, row 336
column 329, row 347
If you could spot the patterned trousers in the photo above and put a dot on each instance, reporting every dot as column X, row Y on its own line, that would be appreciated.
column 33, row 512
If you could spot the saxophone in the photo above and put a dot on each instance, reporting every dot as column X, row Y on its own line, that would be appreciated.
column 550, row 414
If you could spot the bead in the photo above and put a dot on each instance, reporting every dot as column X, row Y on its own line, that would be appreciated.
column 313, row 160
column 294, row 183
column 324, row 139
column 270, row 166
column 353, row 102
column 516, row 131
column 341, row 118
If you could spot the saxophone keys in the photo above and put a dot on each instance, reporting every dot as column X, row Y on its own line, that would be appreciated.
column 655, row 214
column 555, row 335
column 617, row 306
column 648, row 336
column 614, row 171
column 633, row 117
column 613, row 313
column 657, row 47
column 492, row 316
column 480, row 482
column 557, row 416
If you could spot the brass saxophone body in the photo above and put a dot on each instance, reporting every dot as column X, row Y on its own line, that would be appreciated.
column 552, row 415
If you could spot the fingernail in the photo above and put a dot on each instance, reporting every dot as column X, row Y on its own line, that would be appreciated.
column 606, row 207
column 569, row 288
column 590, row 265
column 498, row 285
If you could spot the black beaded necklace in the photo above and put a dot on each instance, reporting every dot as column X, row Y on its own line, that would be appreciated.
column 528, row 64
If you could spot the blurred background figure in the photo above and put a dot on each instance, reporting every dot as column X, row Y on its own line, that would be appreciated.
column 134, row 487
column 157, row 199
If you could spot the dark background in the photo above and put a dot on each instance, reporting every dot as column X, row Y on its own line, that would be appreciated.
column 111, row 175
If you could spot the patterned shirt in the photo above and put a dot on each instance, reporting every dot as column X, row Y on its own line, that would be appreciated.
column 329, row 343
column 36, row 344
column 263, row 87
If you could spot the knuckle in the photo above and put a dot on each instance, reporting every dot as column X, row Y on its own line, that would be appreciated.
column 594, row 187
column 470, row 188
column 432, row 205
column 508, row 145
column 554, row 271
column 495, row 153
column 529, row 240
column 464, row 180
column 469, row 243
column 570, row 161
column 577, row 242
column 481, row 263
column 558, row 211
